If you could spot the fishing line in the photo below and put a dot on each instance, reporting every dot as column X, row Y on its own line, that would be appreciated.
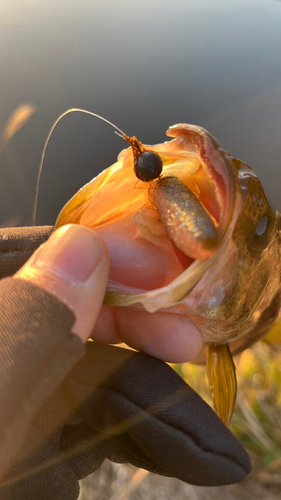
column 118, row 132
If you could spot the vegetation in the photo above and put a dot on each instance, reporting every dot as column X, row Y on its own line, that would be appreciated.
column 256, row 420
column 256, row 423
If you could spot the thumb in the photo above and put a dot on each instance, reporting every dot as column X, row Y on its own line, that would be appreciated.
column 73, row 265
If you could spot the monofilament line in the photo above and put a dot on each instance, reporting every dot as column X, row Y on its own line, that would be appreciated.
column 73, row 110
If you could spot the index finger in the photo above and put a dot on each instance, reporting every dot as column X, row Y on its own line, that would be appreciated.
column 167, row 336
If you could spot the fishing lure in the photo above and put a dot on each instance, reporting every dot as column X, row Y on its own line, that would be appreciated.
column 147, row 164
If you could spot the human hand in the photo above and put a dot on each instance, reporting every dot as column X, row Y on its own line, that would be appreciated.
column 115, row 403
column 73, row 265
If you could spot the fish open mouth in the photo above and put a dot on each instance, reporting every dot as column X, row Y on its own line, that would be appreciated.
column 159, row 252
column 150, row 267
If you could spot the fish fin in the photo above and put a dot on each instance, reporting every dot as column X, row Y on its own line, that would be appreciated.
column 222, row 379
column 274, row 335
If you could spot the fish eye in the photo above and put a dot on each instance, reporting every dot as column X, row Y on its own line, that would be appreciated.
column 262, row 225
column 263, row 232
column 148, row 166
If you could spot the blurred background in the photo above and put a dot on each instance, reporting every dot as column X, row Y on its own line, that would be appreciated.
column 146, row 65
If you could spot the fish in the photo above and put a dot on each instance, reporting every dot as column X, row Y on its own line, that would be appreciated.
column 229, row 283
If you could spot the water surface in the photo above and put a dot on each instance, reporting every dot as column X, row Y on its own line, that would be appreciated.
column 144, row 65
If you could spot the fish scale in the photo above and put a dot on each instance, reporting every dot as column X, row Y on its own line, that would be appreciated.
column 187, row 222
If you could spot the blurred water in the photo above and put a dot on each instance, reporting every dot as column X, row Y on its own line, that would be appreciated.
column 144, row 65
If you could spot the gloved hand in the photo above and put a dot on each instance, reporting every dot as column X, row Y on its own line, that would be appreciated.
column 116, row 404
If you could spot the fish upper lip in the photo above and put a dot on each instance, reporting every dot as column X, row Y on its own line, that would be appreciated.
column 216, row 163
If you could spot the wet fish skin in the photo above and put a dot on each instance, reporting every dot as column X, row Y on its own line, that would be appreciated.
column 249, row 272
column 187, row 222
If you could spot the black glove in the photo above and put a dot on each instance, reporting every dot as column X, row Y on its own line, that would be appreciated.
column 121, row 405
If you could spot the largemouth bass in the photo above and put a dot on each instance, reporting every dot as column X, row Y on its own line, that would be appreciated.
column 228, row 283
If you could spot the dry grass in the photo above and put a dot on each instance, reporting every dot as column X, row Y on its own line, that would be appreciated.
column 125, row 482
column 256, row 423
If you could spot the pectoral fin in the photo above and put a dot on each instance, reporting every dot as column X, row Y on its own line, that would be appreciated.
column 222, row 379
column 274, row 335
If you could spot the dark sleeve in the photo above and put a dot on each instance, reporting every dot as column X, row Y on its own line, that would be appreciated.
column 37, row 350
column 17, row 244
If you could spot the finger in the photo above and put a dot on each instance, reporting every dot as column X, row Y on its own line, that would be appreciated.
column 73, row 265
column 170, row 337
